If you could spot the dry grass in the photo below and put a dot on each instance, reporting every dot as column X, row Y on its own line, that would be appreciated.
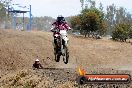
column 19, row 49
column 100, row 53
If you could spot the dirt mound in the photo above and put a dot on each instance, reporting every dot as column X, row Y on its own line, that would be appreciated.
column 53, row 78
column 19, row 49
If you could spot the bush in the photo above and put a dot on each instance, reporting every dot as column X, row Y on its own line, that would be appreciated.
column 121, row 32
column 89, row 22
column 75, row 22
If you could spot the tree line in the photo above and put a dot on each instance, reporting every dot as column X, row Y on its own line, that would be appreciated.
column 38, row 23
column 3, row 10
column 93, row 21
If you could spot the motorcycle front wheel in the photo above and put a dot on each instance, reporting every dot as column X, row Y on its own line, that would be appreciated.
column 66, row 55
column 57, row 56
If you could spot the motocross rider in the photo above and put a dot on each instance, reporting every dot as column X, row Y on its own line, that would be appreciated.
column 59, row 24
column 37, row 64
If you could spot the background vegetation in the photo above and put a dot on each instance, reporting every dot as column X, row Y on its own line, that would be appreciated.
column 92, row 21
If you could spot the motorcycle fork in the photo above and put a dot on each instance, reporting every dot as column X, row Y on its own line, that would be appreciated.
column 62, row 46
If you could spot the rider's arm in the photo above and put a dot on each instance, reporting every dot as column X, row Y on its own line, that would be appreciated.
column 41, row 66
column 53, row 27
column 67, row 26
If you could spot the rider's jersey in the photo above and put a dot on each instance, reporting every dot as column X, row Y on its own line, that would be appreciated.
column 60, row 26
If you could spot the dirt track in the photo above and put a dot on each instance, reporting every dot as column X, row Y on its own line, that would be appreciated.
column 19, row 49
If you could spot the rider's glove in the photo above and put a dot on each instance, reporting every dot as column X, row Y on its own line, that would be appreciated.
column 69, row 28
column 52, row 29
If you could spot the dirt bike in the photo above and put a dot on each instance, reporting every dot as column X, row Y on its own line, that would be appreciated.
column 62, row 46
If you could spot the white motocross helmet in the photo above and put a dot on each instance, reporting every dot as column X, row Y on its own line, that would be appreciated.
column 37, row 60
